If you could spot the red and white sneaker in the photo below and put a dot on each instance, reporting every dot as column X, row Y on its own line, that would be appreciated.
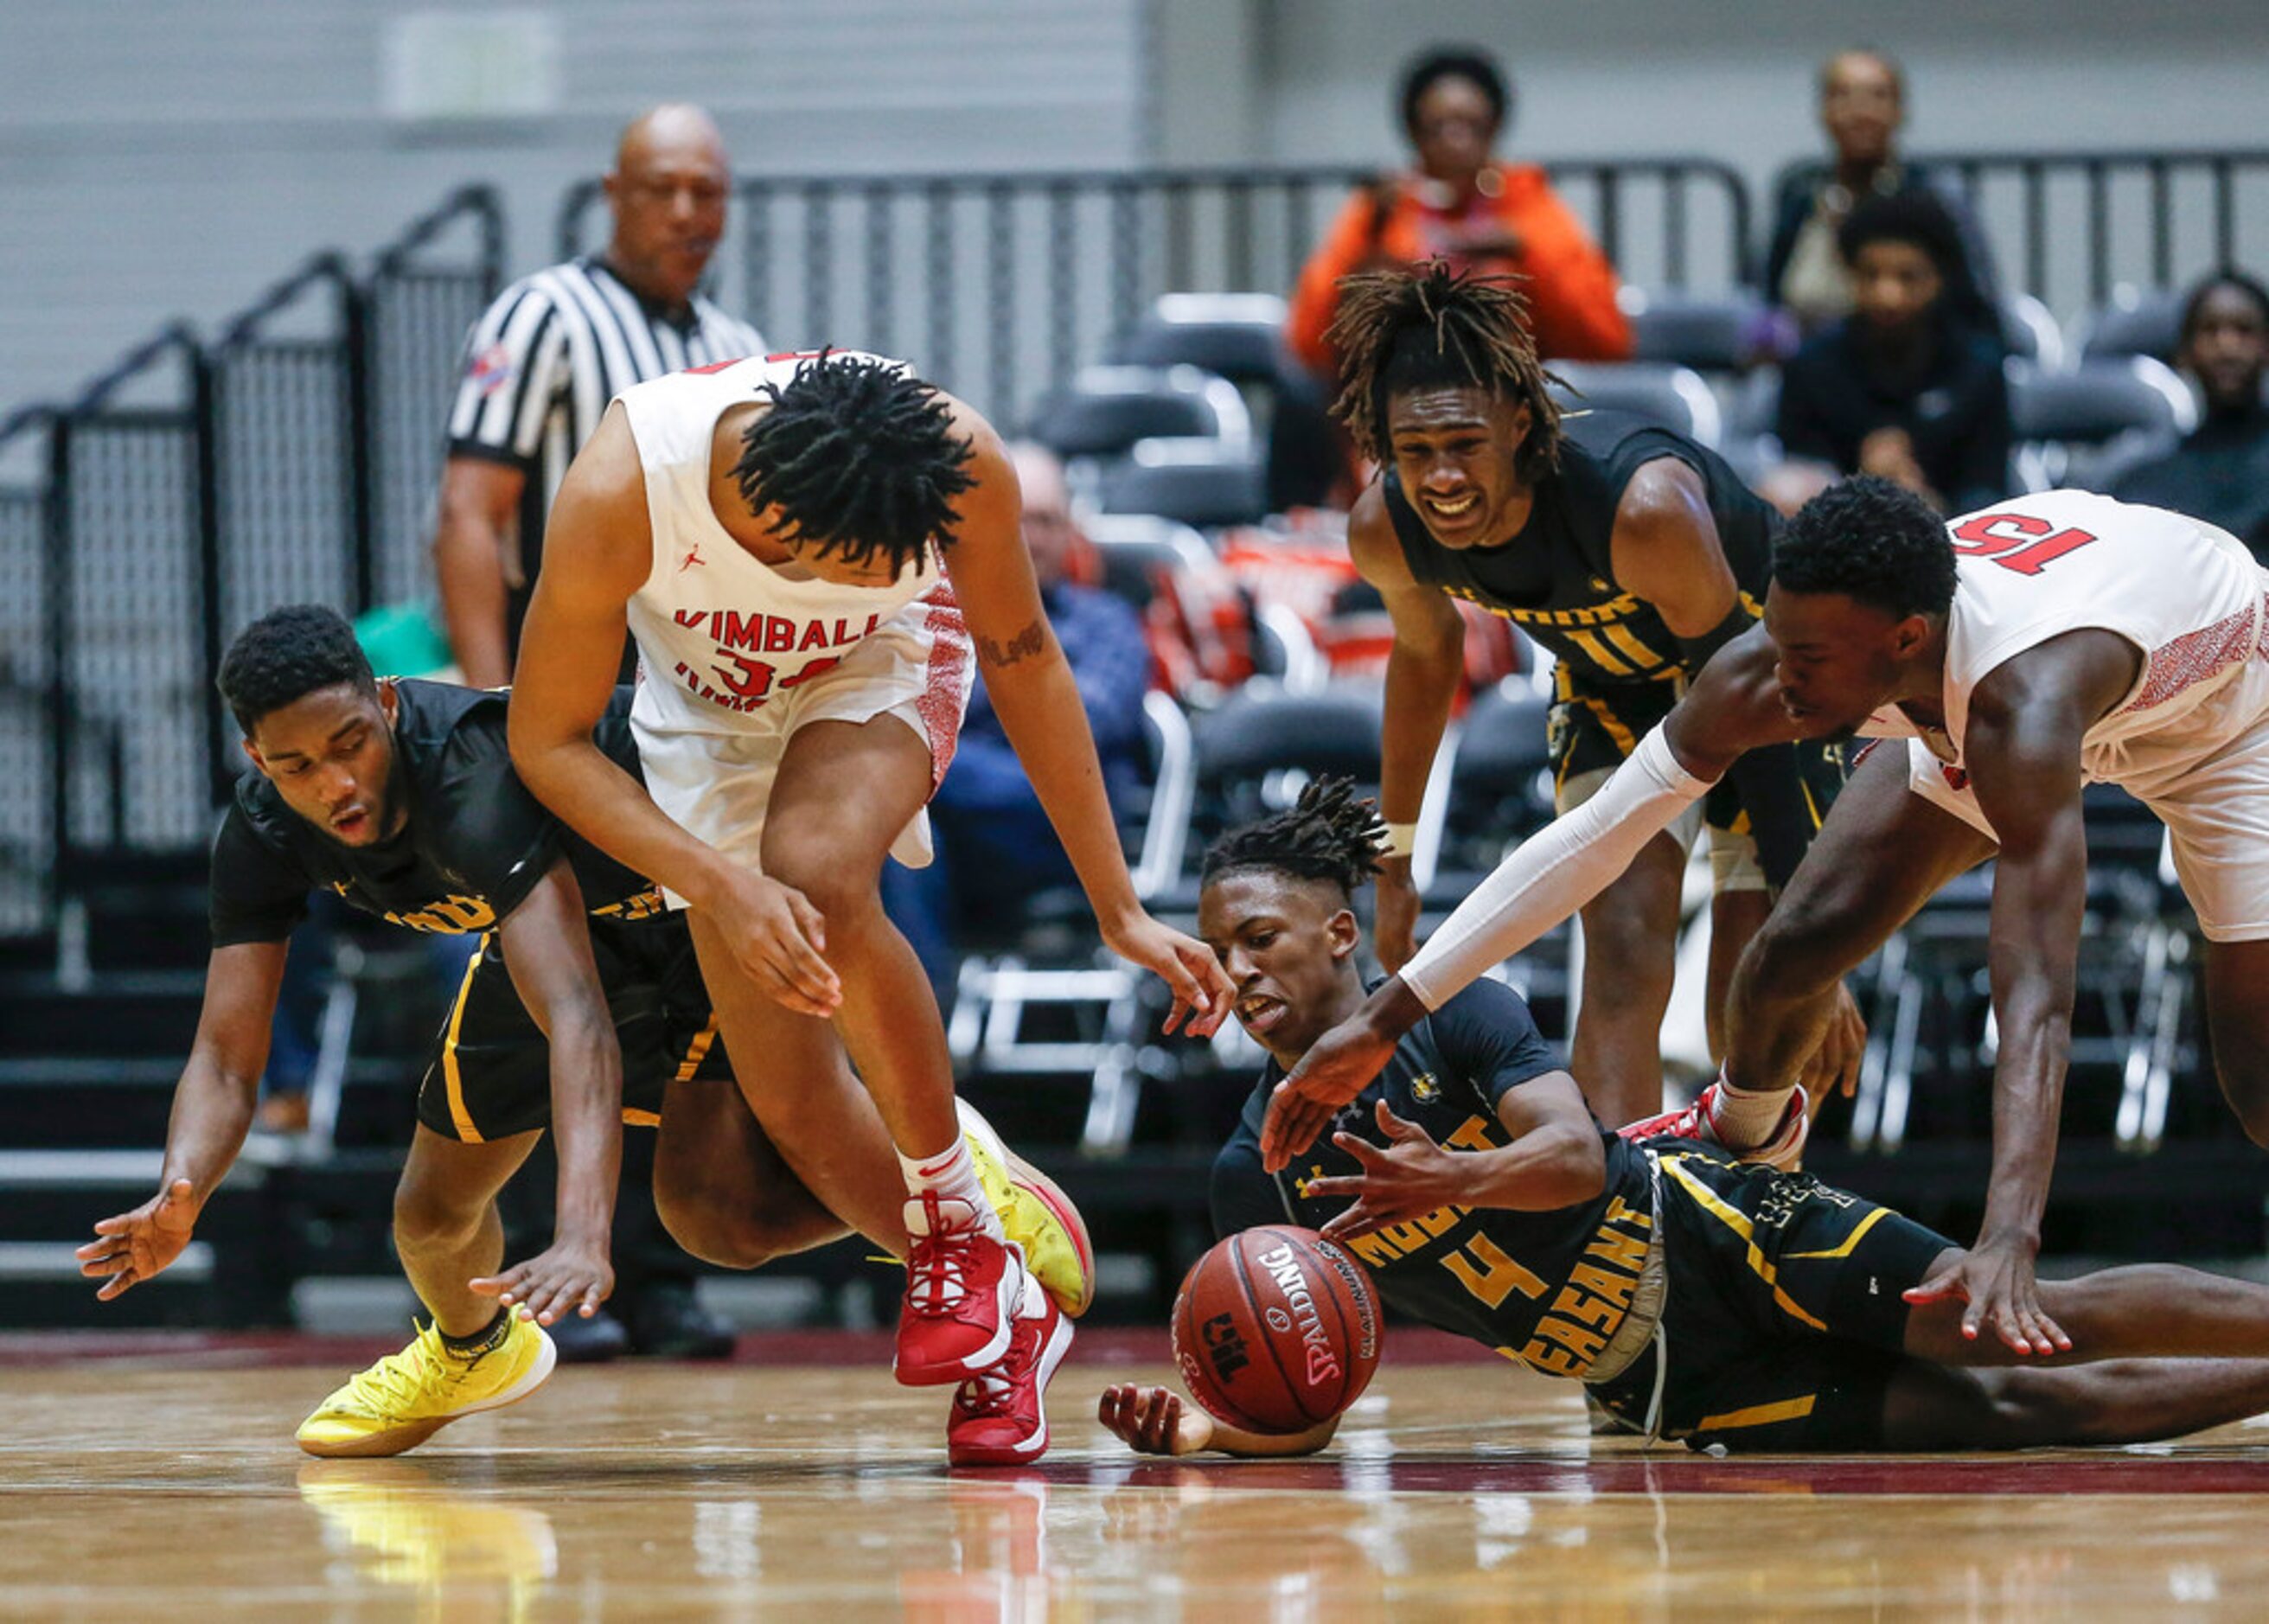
column 1781, row 1148
column 1000, row 1418
column 963, row 1285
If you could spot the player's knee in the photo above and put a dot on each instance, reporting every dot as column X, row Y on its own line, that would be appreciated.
column 428, row 1216
column 828, row 882
column 2030, row 1409
column 1624, row 943
column 728, row 1234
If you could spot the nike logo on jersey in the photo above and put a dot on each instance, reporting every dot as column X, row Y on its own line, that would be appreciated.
column 690, row 560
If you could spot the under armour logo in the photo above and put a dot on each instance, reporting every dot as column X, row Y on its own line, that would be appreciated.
column 690, row 560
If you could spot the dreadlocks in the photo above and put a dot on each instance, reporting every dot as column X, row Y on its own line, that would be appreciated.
column 858, row 458
column 1327, row 835
column 1436, row 328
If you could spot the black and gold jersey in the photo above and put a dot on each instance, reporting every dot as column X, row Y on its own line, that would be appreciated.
column 474, row 844
column 1548, row 1288
column 1554, row 577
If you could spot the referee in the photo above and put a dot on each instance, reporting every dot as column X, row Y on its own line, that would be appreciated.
column 545, row 358
column 541, row 364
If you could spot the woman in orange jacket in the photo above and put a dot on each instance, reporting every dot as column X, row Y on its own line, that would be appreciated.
column 1461, row 204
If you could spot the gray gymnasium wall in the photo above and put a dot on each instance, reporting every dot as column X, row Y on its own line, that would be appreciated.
column 166, row 157
column 163, row 157
column 1729, row 79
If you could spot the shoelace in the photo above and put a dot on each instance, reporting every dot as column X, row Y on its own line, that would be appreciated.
column 987, row 1394
column 938, row 1265
column 388, row 1387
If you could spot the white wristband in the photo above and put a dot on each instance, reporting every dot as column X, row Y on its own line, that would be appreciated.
column 1401, row 840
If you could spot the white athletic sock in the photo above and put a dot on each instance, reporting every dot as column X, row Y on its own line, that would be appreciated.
column 1743, row 1119
column 951, row 1176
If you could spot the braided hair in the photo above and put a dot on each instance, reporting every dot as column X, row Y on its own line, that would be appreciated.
column 858, row 458
column 1436, row 328
column 1328, row 834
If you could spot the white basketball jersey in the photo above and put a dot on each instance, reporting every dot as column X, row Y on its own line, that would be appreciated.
column 2190, row 596
column 720, row 632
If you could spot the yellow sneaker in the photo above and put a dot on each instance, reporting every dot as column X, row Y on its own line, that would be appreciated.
column 1038, row 1215
column 406, row 1398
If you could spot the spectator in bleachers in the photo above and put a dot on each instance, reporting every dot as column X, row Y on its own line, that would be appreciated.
column 2219, row 472
column 1461, row 203
column 995, row 847
column 1862, row 104
column 1904, row 387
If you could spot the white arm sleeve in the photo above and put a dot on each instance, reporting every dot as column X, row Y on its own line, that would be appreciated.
column 1555, row 871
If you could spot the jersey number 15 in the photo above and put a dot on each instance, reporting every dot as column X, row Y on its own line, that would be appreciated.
column 2018, row 541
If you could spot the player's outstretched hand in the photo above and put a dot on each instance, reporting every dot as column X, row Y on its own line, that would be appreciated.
column 134, row 1246
column 571, row 1277
column 1203, row 994
column 780, row 942
column 1995, row 1279
column 1412, row 1177
column 1154, row 1421
column 1335, row 1069
column 1394, row 931
column 1834, row 1065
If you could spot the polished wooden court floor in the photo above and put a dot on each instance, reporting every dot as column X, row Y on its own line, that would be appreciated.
column 163, row 1485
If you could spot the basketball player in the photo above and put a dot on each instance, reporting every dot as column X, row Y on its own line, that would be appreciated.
column 1633, row 555
column 1698, row 1298
column 2020, row 652
column 400, row 796
column 778, row 534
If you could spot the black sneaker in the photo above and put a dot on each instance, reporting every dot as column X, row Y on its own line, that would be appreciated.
column 588, row 1341
column 669, row 1322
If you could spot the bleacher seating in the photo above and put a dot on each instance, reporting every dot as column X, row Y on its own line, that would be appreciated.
column 1105, row 410
column 1709, row 332
column 1205, row 483
column 2071, row 425
column 1672, row 396
column 2135, row 321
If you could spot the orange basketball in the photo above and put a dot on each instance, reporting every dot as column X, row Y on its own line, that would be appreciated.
column 1276, row 1330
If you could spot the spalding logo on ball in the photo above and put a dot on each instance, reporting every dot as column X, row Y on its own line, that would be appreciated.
column 1276, row 1330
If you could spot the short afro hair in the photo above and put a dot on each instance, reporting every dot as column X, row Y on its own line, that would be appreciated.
column 1328, row 834
column 1872, row 541
column 2236, row 282
column 858, row 458
column 1914, row 216
column 1432, row 66
column 287, row 654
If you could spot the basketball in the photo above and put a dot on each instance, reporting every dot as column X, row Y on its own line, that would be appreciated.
column 1276, row 1330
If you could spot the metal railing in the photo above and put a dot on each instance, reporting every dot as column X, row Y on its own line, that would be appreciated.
column 999, row 286
column 187, row 489
column 2070, row 227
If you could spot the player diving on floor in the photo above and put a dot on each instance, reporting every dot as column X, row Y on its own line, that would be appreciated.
column 1699, row 1298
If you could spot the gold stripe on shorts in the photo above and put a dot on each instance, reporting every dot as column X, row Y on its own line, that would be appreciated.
column 696, row 1052
column 1760, row 1414
column 458, row 1114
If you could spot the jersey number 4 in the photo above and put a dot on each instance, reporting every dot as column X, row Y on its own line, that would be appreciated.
column 2018, row 541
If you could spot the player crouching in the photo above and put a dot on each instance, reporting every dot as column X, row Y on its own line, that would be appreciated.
column 1699, row 1298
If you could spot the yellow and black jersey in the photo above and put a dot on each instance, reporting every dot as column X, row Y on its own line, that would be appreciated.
column 474, row 845
column 1775, row 1317
column 1549, row 1288
column 1554, row 577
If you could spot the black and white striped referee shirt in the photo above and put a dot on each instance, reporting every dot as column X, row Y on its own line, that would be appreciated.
column 544, row 359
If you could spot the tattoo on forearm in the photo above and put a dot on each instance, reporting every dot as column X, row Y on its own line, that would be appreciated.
column 1030, row 641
